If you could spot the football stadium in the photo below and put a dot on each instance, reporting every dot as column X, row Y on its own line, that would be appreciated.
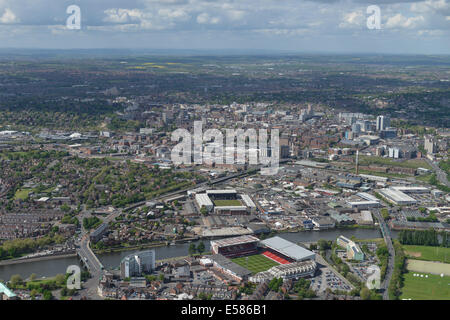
column 248, row 257
column 225, row 202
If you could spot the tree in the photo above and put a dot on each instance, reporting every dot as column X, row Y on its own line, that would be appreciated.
column 60, row 280
column 192, row 249
column 64, row 292
column 48, row 295
column 385, row 214
column 16, row 280
column 324, row 244
column 201, row 247
column 33, row 276
column 365, row 293
column 203, row 210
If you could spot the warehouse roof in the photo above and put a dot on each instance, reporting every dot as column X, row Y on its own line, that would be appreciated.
column 203, row 200
column 248, row 201
column 234, row 241
column 397, row 195
column 224, row 191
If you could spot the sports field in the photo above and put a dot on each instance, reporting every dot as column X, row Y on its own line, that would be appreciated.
column 432, row 288
column 428, row 267
column 227, row 203
column 428, row 253
column 256, row 263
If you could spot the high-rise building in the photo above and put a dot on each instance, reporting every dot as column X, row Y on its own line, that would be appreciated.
column 429, row 144
column 137, row 263
column 383, row 122
column 284, row 151
column 356, row 128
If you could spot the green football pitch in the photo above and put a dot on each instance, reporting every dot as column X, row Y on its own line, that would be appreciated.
column 432, row 288
column 255, row 263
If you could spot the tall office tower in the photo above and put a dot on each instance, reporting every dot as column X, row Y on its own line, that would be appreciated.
column 138, row 263
column 429, row 145
column 383, row 122
column 356, row 128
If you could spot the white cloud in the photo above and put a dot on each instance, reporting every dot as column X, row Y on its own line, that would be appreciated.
column 173, row 14
column 353, row 19
column 430, row 6
column 8, row 17
column 205, row 18
column 399, row 21
column 123, row 15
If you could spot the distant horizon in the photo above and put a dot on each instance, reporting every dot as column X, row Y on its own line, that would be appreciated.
column 228, row 51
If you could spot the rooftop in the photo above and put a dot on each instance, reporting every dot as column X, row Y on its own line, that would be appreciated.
column 288, row 248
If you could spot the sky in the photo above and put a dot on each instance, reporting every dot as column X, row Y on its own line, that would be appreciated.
column 330, row 26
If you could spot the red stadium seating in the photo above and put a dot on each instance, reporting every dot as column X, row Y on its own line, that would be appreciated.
column 276, row 257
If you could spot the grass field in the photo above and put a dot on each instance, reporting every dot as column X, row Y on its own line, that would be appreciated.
column 226, row 203
column 22, row 194
column 256, row 263
column 428, row 253
column 414, row 163
column 432, row 288
column 428, row 267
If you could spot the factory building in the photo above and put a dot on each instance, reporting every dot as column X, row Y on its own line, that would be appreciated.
column 398, row 197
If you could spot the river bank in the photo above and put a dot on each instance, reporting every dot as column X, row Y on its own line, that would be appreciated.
column 51, row 267
column 35, row 259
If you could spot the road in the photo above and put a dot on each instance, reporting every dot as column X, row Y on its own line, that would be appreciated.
column 390, row 267
column 91, row 261
column 440, row 174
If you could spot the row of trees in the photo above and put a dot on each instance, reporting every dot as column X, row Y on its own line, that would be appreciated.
column 396, row 282
column 193, row 249
column 91, row 222
column 424, row 238
column 303, row 290
column 275, row 284
column 383, row 255
column 17, row 247
column 431, row 218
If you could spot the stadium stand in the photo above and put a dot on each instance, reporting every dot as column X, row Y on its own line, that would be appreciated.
column 277, row 257
column 235, row 247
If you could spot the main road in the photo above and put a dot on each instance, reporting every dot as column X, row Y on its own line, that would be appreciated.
column 440, row 174
column 91, row 261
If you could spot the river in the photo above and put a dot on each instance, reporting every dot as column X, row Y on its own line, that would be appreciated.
column 49, row 268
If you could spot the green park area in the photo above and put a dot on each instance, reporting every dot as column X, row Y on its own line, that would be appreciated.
column 433, row 287
column 227, row 203
column 255, row 263
column 22, row 194
column 427, row 253
column 380, row 161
